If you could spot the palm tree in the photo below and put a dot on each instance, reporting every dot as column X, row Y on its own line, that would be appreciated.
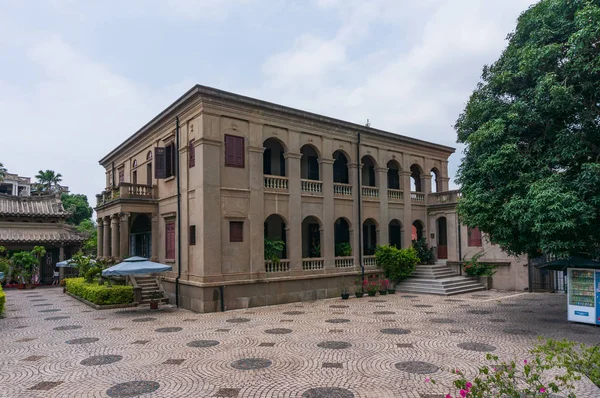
column 48, row 179
column 2, row 172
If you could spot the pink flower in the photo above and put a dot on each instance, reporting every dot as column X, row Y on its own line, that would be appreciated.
column 448, row 396
column 542, row 389
column 524, row 361
column 426, row 380
column 463, row 393
column 469, row 385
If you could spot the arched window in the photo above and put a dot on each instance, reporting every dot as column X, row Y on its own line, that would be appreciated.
column 415, row 178
column 341, row 232
column 309, row 163
column 369, row 237
column 368, row 171
column 274, row 229
column 418, row 230
column 340, row 168
column 311, row 237
column 393, row 175
column 435, row 180
column 395, row 233
column 273, row 158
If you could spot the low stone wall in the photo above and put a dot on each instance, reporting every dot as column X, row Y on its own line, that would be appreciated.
column 259, row 293
column 509, row 276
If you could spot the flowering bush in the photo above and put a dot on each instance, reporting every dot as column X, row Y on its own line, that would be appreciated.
column 526, row 378
column 372, row 285
column 360, row 285
column 473, row 267
column 385, row 284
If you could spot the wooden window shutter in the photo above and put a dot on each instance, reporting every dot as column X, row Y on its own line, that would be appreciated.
column 170, row 240
column 159, row 162
column 192, row 154
column 234, row 151
column 192, row 235
column 236, row 231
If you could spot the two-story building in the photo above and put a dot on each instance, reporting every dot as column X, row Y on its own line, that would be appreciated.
column 236, row 170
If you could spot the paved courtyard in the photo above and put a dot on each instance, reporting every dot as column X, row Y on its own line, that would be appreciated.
column 54, row 346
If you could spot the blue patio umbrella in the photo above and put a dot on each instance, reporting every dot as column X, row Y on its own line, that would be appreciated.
column 135, row 266
column 70, row 263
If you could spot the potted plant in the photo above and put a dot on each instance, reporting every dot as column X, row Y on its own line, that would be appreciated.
column 383, row 287
column 481, row 272
column 155, row 297
column 345, row 293
column 359, row 287
column 23, row 262
column 372, row 286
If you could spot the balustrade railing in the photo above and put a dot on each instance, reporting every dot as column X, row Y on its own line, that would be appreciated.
column 369, row 261
column 312, row 263
column 344, row 262
column 126, row 190
column 417, row 196
column 281, row 266
column 276, row 183
column 443, row 197
column 312, row 186
column 395, row 195
column 340, row 189
column 370, row 192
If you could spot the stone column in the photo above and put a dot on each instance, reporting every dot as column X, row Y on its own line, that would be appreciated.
column 154, row 238
column 100, row 240
column 256, row 215
column 328, row 238
column 124, row 235
column 106, row 236
column 295, row 211
column 114, row 235
column 452, row 236
column 426, row 182
column 383, row 238
column 353, row 173
column 61, row 257
column 408, row 219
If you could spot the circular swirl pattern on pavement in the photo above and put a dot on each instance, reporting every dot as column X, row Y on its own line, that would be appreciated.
column 293, row 313
column 442, row 320
column 143, row 320
column 518, row 332
column 338, row 320
column 339, row 306
column 251, row 363
column 101, row 360
column 56, row 318
column 479, row 312
column 132, row 389
column 417, row 367
column 327, row 392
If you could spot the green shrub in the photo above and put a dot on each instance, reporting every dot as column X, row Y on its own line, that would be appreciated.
column 92, row 274
column 274, row 250
column 2, row 301
column 473, row 267
column 425, row 253
column 396, row 263
column 101, row 295
column 343, row 250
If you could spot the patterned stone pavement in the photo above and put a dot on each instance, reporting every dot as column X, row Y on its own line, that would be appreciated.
column 383, row 347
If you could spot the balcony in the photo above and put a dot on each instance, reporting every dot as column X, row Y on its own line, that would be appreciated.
column 310, row 264
column 312, row 186
column 344, row 262
column 370, row 192
column 282, row 266
column 340, row 189
column 276, row 183
column 395, row 195
column 417, row 197
column 126, row 191
column 443, row 198
column 369, row 261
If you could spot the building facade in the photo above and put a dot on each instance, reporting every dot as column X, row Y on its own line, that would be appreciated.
column 235, row 170
column 13, row 184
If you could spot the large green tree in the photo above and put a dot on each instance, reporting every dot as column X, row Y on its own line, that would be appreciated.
column 531, row 172
column 2, row 172
column 79, row 205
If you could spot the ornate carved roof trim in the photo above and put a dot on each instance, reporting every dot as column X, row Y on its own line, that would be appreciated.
column 33, row 206
column 38, row 233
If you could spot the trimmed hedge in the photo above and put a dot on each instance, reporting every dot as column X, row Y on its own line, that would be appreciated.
column 2, row 300
column 100, row 294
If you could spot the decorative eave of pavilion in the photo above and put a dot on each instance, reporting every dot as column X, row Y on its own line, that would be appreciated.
column 209, row 94
column 38, row 233
column 45, row 206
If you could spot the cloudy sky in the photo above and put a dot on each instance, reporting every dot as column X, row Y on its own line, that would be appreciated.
column 78, row 77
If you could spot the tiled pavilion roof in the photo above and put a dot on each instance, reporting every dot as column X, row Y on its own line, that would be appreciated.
column 38, row 233
column 32, row 206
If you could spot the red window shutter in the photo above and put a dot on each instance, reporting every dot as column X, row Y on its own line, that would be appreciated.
column 170, row 240
column 192, row 154
column 236, row 231
column 234, row 151
column 474, row 237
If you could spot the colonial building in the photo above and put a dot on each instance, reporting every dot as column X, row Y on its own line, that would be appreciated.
column 13, row 184
column 233, row 170
column 28, row 221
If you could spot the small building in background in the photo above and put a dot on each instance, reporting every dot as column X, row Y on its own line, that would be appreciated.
column 29, row 221
column 15, row 185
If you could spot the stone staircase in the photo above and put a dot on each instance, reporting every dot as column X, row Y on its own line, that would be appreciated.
column 148, row 285
column 438, row 279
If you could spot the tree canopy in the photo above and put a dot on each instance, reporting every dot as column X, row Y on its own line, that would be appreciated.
column 2, row 172
column 78, row 203
column 48, row 180
column 530, row 177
